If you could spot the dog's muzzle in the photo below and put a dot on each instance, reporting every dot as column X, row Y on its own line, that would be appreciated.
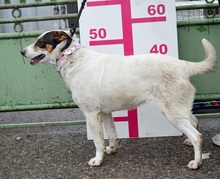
column 34, row 60
column 23, row 53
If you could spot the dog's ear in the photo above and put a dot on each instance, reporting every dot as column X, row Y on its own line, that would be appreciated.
column 61, row 35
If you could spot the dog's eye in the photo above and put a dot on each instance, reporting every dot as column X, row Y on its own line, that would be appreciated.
column 40, row 44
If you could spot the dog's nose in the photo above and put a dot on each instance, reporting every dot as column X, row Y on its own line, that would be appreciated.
column 23, row 52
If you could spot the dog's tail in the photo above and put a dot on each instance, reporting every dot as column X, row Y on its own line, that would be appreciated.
column 207, row 65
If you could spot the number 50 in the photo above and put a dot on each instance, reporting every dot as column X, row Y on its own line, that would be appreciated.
column 97, row 33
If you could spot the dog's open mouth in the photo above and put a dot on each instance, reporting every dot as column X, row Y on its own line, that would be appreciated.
column 36, row 59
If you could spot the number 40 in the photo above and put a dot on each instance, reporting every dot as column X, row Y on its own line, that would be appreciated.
column 162, row 49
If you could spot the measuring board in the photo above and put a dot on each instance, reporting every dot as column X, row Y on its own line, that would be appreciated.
column 130, row 27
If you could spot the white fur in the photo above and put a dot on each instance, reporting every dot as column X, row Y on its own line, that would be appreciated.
column 103, row 83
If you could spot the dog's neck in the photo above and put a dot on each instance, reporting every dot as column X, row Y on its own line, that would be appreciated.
column 65, row 54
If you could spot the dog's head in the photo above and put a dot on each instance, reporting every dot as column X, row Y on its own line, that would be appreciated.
column 48, row 47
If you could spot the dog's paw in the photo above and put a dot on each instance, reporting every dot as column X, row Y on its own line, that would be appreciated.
column 187, row 142
column 94, row 162
column 110, row 150
column 194, row 164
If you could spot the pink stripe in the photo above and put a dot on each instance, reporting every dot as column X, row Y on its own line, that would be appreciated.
column 132, row 120
column 106, row 42
column 127, row 41
column 103, row 3
column 149, row 19
column 127, row 27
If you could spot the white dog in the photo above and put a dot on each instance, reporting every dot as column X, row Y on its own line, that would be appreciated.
column 103, row 83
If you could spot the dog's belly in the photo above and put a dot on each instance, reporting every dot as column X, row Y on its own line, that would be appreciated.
column 123, row 100
column 120, row 104
column 108, row 103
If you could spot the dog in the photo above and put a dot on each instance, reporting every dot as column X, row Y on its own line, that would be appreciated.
column 103, row 83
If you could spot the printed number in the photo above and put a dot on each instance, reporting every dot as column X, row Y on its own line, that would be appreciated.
column 159, row 9
column 97, row 33
column 162, row 49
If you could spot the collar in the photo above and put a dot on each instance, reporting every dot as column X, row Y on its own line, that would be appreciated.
column 66, row 54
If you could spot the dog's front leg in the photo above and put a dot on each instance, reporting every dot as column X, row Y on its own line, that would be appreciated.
column 111, row 132
column 95, row 124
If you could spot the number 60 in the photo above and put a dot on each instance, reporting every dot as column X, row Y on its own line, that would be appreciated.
column 153, row 10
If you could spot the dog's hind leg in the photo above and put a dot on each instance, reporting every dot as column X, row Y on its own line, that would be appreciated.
column 182, row 122
column 95, row 124
column 111, row 133
column 176, row 103
column 194, row 122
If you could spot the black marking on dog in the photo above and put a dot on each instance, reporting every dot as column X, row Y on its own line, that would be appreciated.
column 40, row 44
column 53, row 38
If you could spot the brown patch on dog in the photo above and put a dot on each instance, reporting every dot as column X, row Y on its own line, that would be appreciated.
column 60, row 36
column 36, row 48
column 49, row 48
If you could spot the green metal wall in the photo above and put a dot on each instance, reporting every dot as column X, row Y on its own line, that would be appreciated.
column 190, row 48
column 23, row 86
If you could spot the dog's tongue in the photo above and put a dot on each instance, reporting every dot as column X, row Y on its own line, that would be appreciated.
column 36, row 59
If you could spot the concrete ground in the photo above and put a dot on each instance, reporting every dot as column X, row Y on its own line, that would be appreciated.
column 63, row 152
